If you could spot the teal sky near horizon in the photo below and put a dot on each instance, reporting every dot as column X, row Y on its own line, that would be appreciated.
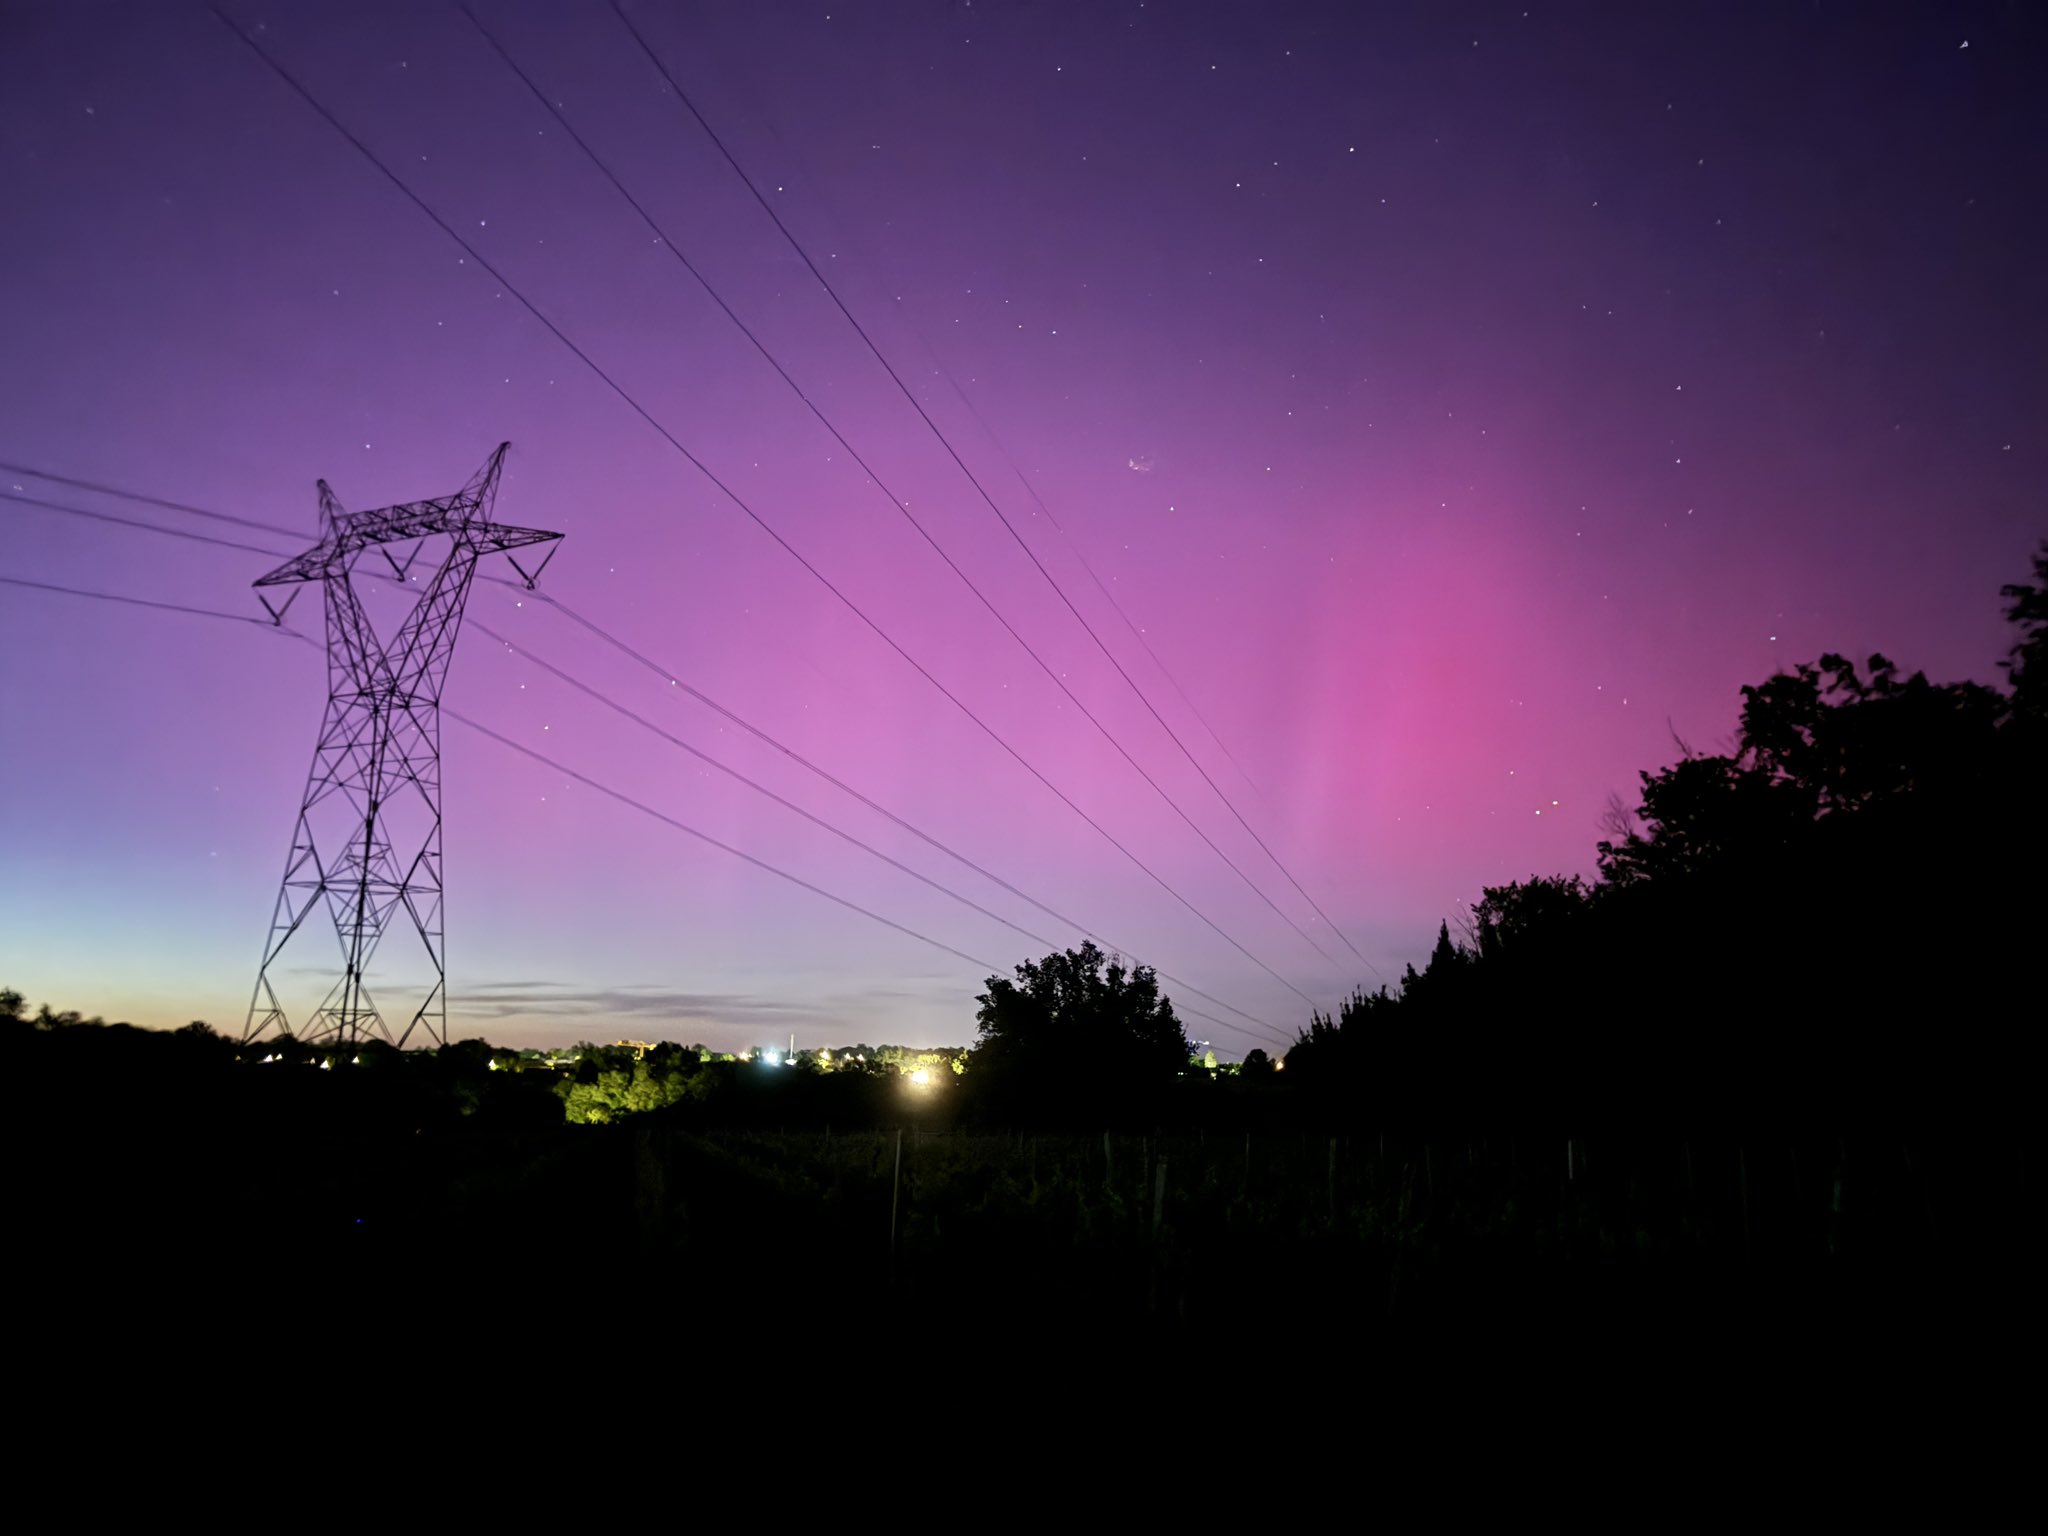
column 1464, row 401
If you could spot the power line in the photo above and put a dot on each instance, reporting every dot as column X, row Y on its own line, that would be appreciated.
column 754, row 784
column 145, row 602
column 151, row 501
column 1080, row 554
column 131, row 522
column 851, row 242
column 676, row 443
column 739, row 853
column 840, row 784
column 975, row 481
column 896, row 503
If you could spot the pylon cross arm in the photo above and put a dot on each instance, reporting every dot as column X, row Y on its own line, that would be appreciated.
column 336, row 552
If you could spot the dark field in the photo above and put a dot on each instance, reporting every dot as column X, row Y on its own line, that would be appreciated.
column 248, row 1192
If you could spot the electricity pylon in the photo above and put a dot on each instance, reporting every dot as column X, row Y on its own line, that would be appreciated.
column 367, row 847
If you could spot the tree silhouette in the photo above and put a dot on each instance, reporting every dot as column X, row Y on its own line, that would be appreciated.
column 1523, row 919
column 1835, row 914
column 2026, row 664
column 1078, row 1030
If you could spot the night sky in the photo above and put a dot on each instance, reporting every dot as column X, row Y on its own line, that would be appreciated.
column 1463, row 401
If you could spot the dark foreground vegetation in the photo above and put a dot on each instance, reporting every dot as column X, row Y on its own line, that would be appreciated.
column 149, row 1160
column 1766, row 1085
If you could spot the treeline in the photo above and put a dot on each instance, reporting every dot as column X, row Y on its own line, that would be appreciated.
column 98, row 1069
column 1841, row 916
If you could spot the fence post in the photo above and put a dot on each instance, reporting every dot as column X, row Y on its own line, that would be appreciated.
column 895, row 1195
column 1742, row 1166
column 1926, row 1189
column 1835, row 1205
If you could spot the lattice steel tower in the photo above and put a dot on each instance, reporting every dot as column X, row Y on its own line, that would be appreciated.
column 367, row 848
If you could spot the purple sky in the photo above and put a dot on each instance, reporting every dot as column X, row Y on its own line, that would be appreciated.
column 1462, row 399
